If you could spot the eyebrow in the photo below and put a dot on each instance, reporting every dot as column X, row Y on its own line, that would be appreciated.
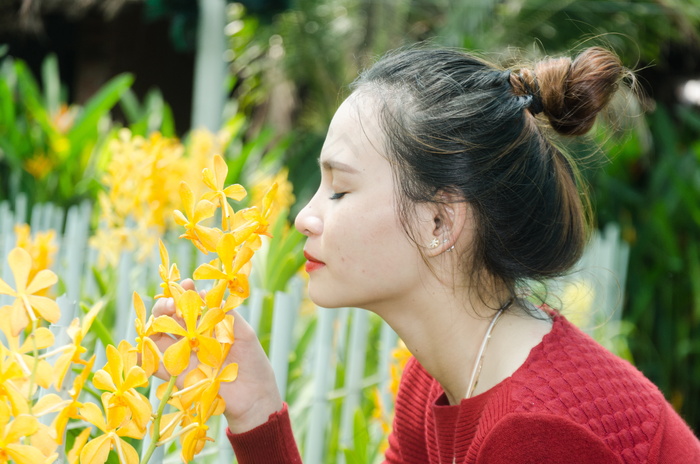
column 332, row 165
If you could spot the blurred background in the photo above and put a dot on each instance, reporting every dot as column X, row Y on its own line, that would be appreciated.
column 73, row 72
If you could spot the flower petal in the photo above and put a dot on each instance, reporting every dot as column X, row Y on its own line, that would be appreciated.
column 41, row 338
column 43, row 279
column 78, row 445
column 209, row 320
column 150, row 357
column 5, row 289
column 128, row 452
column 46, row 307
column 103, row 381
column 18, row 318
column 136, row 377
column 140, row 411
column 235, row 192
column 209, row 351
column 24, row 454
column 23, row 425
column 187, row 198
column 216, row 294
column 228, row 373
column 167, row 324
column 208, row 237
column 177, row 357
column 91, row 413
column 96, row 450
column 206, row 271
column 190, row 305
column 21, row 264
column 115, row 365
column 221, row 170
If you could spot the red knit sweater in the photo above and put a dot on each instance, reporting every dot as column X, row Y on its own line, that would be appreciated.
column 570, row 402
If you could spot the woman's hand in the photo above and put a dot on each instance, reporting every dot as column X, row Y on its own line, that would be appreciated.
column 253, row 396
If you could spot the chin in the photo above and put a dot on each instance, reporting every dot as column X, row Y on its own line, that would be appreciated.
column 328, row 299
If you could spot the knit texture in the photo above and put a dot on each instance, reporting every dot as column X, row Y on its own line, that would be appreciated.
column 570, row 402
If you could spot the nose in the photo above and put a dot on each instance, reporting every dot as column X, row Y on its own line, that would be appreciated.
column 308, row 221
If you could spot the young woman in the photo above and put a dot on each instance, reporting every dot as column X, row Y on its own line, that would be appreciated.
column 441, row 195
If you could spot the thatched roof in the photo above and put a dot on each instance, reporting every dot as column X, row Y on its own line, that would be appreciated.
column 25, row 16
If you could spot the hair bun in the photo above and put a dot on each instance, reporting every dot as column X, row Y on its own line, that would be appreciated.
column 574, row 92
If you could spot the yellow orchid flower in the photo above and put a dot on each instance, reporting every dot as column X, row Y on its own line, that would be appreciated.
column 193, row 441
column 39, row 339
column 97, row 450
column 283, row 197
column 218, row 193
column 267, row 209
column 232, row 260
column 243, row 226
column 71, row 353
column 210, row 378
column 12, row 374
column 119, row 379
column 204, row 238
column 28, row 306
column 145, row 346
column 11, row 433
column 169, row 274
column 71, row 410
column 195, row 337
column 41, row 249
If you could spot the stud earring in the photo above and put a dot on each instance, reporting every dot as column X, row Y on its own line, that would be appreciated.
column 435, row 243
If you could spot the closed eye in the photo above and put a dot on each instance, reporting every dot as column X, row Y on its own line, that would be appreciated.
column 338, row 196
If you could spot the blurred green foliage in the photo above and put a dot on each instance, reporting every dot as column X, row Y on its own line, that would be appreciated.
column 46, row 145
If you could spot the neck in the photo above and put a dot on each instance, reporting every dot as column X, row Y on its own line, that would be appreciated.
column 444, row 330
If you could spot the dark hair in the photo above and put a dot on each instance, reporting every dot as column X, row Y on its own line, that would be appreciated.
column 454, row 123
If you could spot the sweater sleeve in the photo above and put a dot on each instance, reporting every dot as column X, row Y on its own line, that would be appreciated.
column 270, row 443
column 675, row 443
column 542, row 438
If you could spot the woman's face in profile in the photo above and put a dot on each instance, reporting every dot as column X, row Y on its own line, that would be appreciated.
column 358, row 252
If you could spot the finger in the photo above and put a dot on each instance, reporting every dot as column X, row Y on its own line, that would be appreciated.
column 164, row 307
column 188, row 284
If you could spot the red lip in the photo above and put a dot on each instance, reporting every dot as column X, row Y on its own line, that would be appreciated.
column 312, row 263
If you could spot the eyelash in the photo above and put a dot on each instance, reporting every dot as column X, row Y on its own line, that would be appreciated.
column 337, row 196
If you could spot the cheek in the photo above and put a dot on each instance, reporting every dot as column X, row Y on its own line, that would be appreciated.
column 373, row 242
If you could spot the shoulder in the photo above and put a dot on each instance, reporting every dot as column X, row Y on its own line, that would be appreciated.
column 523, row 437
column 584, row 387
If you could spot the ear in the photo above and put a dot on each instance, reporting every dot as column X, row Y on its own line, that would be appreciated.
column 449, row 219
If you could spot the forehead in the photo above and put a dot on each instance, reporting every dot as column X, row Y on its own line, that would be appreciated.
column 354, row 133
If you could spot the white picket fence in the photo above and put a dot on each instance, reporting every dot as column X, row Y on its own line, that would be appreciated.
column 340, row 336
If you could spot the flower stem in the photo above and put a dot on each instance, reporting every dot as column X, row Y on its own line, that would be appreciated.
column 156, row 421
column 35, row 352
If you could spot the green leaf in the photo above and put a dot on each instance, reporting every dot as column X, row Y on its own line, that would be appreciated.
column 52, row 84
column 99, row 328
column 360, row 435
column 130, row 106
column 98, row 106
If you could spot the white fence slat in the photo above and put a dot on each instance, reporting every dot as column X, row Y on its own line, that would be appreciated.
column 387, row 343
column 284, row 315
column 21, row 208
column 354, row 373
column 73, row 249
column 323, row 366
